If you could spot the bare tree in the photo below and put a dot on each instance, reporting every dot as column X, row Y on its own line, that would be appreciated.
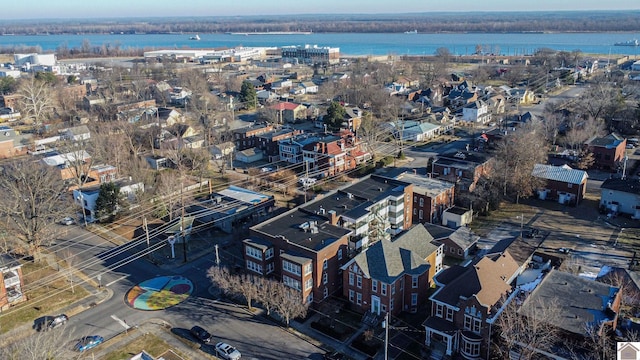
column 42, row 345
column 525, row 334
column 289, row 305
column 515, row 157
column 31, row 200
column 267, row 291
column 220, row 277
column 36, row 99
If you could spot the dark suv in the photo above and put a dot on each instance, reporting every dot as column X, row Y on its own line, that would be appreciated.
column 531, row 233
column 201, row 334
column 52, row 322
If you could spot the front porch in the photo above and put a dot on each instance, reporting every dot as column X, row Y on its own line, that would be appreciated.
column 441, row 337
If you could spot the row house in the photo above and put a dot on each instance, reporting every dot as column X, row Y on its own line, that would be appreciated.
column 269, row 142
column 469, row 299
column 289, row 112
column 463, row 168
column 11, row 282
column 10, row 101
column 431, row 197
column 380, row 279
column 302, row 249
column 246, row 138
column 608, row 151
column 476, row 112
column 74, row 92
column 330, row 155
column 77, row 166
column 460, row 243
column 374, row 208
column 563, row 183
column 465, row 304
column 12, row 143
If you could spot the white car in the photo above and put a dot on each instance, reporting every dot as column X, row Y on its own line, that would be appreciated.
column 227, row 351
column 307, row 181
column 67, row 221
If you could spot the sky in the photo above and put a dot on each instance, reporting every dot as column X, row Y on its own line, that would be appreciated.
column 50, row 9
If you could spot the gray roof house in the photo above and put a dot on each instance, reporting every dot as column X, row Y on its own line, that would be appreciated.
column 377, row 273
column 563, row 183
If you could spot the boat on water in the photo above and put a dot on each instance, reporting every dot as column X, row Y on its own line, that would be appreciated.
column 195, row 37
column 633, row 42
column 414, row 31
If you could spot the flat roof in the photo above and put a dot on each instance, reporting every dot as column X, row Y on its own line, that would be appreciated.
column 425, row 185
column 291, row 227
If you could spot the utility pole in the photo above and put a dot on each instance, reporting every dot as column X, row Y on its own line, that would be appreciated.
column 385, row 325
column 146, row 230
column 184, row 237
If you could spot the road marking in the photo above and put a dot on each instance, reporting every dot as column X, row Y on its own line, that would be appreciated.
column 122, row 322
column 116, row 280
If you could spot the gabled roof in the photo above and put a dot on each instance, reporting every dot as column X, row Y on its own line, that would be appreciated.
column 562, row 173
column 285, row 106
column 487, row 280
column 388, row 260
column 610, row 141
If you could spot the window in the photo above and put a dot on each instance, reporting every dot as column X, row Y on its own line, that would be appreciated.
column 268, row 254
column 414, row 299
column 374, row 286
column 449, row 313
column 414, row 281
column 421, row 202
column 339, row 254
column 253, row 252
column 383, row 307
column 326, row 292
column 421, row 214
column 415, row 198
column 310, row 299
column 415, row 211
column 270, row 267
column 471, row 348
column 307, row 269
column 325, row 278
column 393, row 289
column 358, row 298
column 351, row 279
column 391, row 304
column 569, row 186
column 359, row 278
column 472, row 324
column 383, row 288
column 439, row 309
column 290, row 282
column 325, row 264
column 459, row 251
column 351, row 295
column 308, row 284
column 290, row 267
column 254, row 267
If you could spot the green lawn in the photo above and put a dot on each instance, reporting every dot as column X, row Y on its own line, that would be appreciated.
column 42, row 300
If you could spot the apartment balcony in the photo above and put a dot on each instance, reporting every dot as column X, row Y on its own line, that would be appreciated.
column 11, row 279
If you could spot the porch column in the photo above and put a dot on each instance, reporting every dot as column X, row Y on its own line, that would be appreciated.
column 449, row 350
column 427, row 341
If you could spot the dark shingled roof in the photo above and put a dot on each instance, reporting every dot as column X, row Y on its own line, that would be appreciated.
column 630, row 186
column 580, row 301
column 387, row 260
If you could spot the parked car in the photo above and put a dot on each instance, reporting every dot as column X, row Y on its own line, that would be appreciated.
column 564, row 250
column 531, row 233
column 305, row 181
column 88, row 342
column 67, row 221
column 227, row 352
column 201, row 334
column 57, row 321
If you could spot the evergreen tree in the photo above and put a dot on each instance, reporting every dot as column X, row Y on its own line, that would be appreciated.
column 108, row 202
column 335, row 116
column 248, row 95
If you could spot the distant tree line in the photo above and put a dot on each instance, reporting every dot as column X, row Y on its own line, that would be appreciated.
column 497, row 22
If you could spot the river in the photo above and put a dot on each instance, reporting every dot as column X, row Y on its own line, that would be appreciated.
column 512, row 44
